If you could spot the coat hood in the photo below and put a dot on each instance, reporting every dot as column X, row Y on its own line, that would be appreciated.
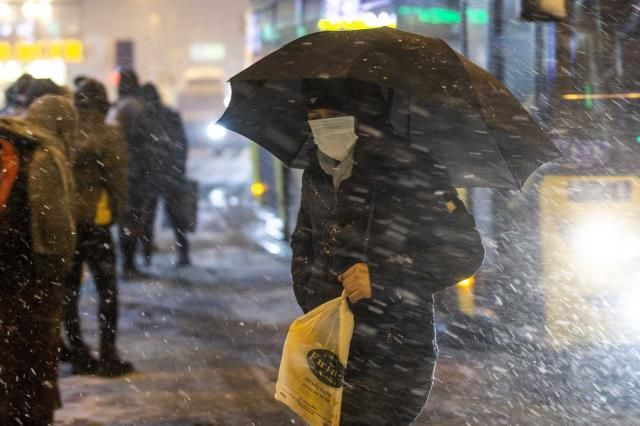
column 50, row 124
column 91, row 95
column 129, row 84
column 57, row 116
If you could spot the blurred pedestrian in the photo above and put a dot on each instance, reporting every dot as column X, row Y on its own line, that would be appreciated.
column 39, row 87
column 168, row 174
column 380, row 220
column 37, row 241
column 99, row 164
column 15, row 96
column 137, row 125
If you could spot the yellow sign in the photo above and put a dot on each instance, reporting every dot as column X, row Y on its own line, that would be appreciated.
column 70, row 51
column 366, row 21
column 73, row 51
column 5, row 51
column 590, row 253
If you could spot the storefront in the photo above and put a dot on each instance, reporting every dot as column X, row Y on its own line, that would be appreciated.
column 42, row 38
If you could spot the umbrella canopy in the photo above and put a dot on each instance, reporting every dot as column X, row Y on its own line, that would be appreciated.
column 466, row 118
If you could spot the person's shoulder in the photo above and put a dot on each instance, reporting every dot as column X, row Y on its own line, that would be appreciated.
column 112, row 132
column 382, row 150
column 130, row 104
column 312, row 170
column 169, row 111
column 170, row 114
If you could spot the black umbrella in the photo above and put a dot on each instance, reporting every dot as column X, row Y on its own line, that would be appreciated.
column 468, row 120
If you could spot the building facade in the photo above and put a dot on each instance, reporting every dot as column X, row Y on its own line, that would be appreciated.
column 165, row 40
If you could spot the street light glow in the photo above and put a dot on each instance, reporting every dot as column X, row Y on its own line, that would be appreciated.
column 6, row 12
column 258, row 189
column 468, row 282
column 35, row 10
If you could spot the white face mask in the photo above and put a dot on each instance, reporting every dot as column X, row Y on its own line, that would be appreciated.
column 334, row 136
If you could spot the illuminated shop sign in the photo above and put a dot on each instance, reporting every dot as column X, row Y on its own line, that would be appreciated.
column 69, row 51
column 444, row 16
column 359, row 22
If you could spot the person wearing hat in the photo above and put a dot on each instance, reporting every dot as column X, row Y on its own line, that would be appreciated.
column 37, row 242
column 99, row 163
column 380, row 221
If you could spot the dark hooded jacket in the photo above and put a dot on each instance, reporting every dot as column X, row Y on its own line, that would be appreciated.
column 99, row 156
column 139, row 130
column 170, row 144
column 34, row 256
column 399, row 214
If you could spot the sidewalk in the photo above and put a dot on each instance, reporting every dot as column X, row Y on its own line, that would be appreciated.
column 205, row 340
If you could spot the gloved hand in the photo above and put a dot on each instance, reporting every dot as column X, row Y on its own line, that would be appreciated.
column 356, row 282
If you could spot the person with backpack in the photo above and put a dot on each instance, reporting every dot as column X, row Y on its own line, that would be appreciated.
column 169, row 174
column 99, row 163
column 37, row 242
column 380, row 221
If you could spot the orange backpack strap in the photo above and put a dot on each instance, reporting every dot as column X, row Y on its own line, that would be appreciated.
column 9, row 166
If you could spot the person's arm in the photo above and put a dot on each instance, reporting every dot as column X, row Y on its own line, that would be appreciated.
column 443, row 246
column 134, row 127
column 423, row 239
column 180, row 143
column 51, row 190
column 302, row 254
column 116, row 167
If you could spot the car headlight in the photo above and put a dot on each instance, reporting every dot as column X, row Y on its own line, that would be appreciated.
column 216, row 132
column 604, row 243
column 218, row 198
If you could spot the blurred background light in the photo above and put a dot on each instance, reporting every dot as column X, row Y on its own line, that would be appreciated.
column 216, row 132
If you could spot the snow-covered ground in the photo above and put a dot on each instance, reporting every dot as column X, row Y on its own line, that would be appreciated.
column 206, row 341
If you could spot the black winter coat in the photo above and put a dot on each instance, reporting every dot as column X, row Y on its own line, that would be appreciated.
column 166, row 149
column 178, row 145
column 399, row 214
column 133, row 117
column 421, row 239
column 30, row 302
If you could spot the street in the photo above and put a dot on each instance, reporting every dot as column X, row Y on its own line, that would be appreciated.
column 481, row 152
column 206, row 342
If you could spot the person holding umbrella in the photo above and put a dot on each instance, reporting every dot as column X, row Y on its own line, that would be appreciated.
column 373, row 214
column 385, row 123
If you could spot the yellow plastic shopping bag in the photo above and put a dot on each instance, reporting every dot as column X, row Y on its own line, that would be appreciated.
column 314, row 360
